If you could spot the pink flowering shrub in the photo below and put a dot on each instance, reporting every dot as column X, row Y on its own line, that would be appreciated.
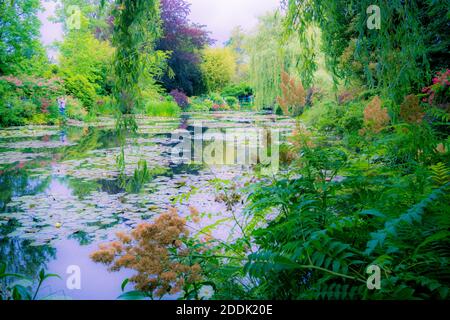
column 220, row 107
column 438, row 93
column 32, row 100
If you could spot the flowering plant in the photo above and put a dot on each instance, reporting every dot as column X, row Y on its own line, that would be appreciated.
column 438, row 92
column 376, row 118
column 162, row 254
column 410, row 110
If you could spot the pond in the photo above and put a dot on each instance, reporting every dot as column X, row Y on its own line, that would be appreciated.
column 61, row 196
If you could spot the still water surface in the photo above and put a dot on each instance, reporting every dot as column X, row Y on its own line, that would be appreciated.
column 60, row 196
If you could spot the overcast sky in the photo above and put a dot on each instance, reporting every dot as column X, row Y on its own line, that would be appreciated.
column 220, row 17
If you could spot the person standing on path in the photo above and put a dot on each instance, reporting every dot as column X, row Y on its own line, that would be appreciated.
column 62, row 107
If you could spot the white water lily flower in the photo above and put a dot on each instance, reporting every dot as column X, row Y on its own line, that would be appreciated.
column 206, row 292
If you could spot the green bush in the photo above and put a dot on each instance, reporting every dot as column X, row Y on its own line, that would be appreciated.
column 80, row 87
column 16, row 112
column 199, row 107
column 352, row 118
column 216, row 98
column 233, row 102
column 39, row 119
column 105, row 106
column 75, row 109
column 208, row 104
column 237, row 90
column 323, row 115
column 29, row 100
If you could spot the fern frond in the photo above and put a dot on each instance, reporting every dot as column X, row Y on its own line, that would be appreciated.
column 413, row 214
column 440, row 174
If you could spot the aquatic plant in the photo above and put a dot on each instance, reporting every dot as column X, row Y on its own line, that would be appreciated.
column 22, row 288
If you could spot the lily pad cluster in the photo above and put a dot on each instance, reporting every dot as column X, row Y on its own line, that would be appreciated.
column 48, row 217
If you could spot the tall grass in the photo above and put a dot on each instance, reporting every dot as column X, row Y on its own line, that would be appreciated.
column 162, row 109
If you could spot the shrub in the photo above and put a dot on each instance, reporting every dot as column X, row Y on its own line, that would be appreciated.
column 352, row 119
column 410, row 110
column 239, row 91
column 438, row 92
column 38, row 119
column 24, row 97
column 232, row 102
column 220, row 107
column 105, row 106
column 208, row 103
column 159, row 252
column 80, row 87
column 16, row 112
column 376, row 118
column 323, row 115
column 199, row 107
column 31, row 87
column 294, row 97
column 75, row 109
column 216, row 98
column 180, row 98
column 347, row 96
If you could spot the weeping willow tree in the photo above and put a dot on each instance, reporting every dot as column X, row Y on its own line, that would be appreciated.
column 136, row 28
column 271, row 53
column 396, row 58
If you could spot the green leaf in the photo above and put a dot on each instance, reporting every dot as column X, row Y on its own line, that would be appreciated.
column 373, row 212
column 15, row 275
column 133, row 295
column 336, row 266
column 124, row 284
column 435, row 237
column 21, row 293
column 49, row 275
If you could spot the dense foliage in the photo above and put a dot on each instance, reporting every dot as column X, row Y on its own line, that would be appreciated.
column 218, row 67
column 85, row 66
column 136, row 27
column 184, row 40
column 269, row 56
column 364, row 183
column 19, row 33
column 400, row 56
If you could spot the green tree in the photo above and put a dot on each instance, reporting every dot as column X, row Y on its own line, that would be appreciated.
column 410, row 43
column 19, row 33
column 81, row 54
column 218, row 67
column 237, row 44
column 136, row 27
column 99, row 18
column 269, row 56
